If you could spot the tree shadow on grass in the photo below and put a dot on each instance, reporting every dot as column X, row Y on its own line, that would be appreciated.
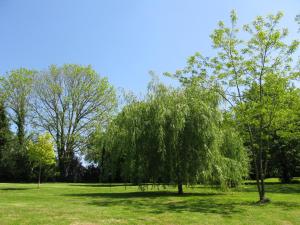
column 158, row 202
column 173, row 206
column 14, row 189
column 100, row 185
column 150, row 186
column 164, row 201
column 287, row 205
column 141, row 194
column 276, row 188
column 293, row 181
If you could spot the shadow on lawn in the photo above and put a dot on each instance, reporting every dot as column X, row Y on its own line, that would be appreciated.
column 175, row 205
column 14, row 189
column 277, row 188
column 100, row 185
column 287, row 205
column 164, row 201
column 141, row 194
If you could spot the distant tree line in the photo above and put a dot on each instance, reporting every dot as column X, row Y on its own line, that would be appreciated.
column 234, row 116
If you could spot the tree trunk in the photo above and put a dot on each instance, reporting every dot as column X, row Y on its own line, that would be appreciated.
column 285, row 174
column 64, row 163
column 261, row 173
column 40, row 170
column 62, row 169
column 180, row 189
column 21, row 131
column 257, row 176
column 102, row 175
column 261, row 170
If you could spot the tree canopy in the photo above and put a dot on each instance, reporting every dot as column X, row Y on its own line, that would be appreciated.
column 175, row 136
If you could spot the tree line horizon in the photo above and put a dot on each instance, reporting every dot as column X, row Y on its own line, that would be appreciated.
column 234, row 116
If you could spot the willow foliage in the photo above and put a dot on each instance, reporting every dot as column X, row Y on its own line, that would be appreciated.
column 175, row 136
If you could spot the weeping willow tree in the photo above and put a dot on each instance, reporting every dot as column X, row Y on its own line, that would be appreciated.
column 192, row 132
column 174, row 136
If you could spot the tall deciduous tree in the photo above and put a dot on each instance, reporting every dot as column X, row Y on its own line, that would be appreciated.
column 70, row 102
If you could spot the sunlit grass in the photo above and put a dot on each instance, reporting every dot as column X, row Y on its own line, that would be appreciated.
column 63, row 203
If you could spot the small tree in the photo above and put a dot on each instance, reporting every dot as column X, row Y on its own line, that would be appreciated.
column 41, row 153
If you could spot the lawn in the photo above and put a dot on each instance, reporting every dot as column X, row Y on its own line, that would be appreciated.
column 78, row 204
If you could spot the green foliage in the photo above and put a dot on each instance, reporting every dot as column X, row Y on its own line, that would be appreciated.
column 173, row 136
column 17, row 87
column 71, row 102
column 253, row 75
column 6, row 146
column 41, row 152
column 235, row 158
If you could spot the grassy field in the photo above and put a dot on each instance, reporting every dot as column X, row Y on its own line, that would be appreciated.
column 78, row 204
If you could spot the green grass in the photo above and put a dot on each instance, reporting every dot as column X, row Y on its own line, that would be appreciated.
column 78, row 204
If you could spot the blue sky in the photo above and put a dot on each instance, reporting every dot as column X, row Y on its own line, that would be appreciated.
column 121, row 39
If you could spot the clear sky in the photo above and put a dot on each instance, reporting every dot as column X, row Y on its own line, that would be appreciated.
column 121, row 39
